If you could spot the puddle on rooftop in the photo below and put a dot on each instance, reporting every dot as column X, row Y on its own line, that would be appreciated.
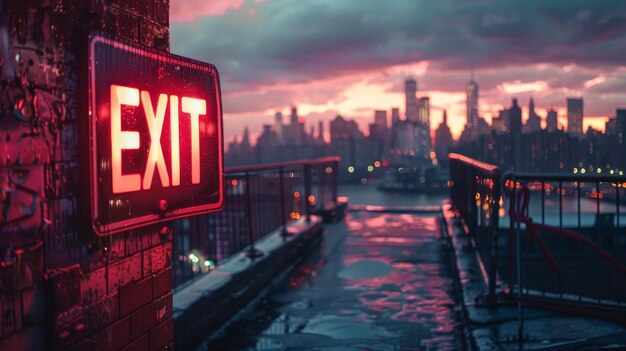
column 362, row 295
column 365, row 269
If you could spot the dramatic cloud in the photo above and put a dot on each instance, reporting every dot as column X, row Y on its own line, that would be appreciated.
column 320, row 54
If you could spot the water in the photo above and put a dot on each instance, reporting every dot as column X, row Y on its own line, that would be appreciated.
column 359, row 194
column 367, row 194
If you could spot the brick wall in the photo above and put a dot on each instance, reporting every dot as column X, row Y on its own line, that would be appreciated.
column 60, row 286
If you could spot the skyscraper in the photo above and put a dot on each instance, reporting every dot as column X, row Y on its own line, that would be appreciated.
column 245, row 139
column 410, row 92
column 515, row 118
column 424, row 111
column 297, row 128
column 552, row 123
column 320, row 131
column 395, row 116
column 534, row 121
column 294, row 115
column 443, row 138
column 575, row 115
column 620, row 124
column 471, row 103
column 380, row 119
column 278, row 125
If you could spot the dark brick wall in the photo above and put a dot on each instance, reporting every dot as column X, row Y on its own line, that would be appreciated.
column 62, row 287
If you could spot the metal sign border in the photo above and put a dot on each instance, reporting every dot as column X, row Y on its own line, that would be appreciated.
column 147, row 220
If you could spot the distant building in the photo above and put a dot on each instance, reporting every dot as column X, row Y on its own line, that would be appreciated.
column 278, row 125
column 620, row 126
column 471, row 103
column 443, row 138
column 342, row 129
column 575, row 115
column 320, row 133
column 294, row 115
column 410, row 96
column 423, row 143
column 245, row 139
column 380, row 119
column 268, row 137
column 499, row 124
column 533, row 123
column 294, row 134
column 515, row 119
column 552, row 123
column 375, row 132
column 424, row 111
column 395, row 116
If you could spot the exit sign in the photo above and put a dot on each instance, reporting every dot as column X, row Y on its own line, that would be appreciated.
column 155, row 137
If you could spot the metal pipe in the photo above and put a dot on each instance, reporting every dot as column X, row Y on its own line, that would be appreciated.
column 307, row 190
column 283, row 214
column 494, row 223
column 252, row 252
column 597, row 199
column 560, row 204
column 617, row 202
column 520, row 308
column 335, row 182
column 543, row 202
column 578, row 199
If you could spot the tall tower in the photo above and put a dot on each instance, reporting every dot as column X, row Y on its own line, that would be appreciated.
column 410, row 92
column 424, row 111
column 380, row 119
column 294, row 116
column 320, row 132
column 395, row 116
column 575, row 115
column 245, row 139
column 443, row 138
column 278, row 125
column 471, row 102
column 534, row 121
column 551, row 121
column 515, row 118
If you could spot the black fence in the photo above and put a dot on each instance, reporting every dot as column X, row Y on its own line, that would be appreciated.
column 258, row 200
column 550, row 239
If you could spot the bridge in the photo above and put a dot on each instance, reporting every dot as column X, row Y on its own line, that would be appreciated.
column 507, row 262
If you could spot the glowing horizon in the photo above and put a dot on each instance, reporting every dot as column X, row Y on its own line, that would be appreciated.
column 353, row 58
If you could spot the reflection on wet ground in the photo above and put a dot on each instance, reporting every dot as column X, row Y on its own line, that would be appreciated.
column 378, row 281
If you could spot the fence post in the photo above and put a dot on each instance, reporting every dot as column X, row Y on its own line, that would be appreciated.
column 307, row 190
column 252, row 251
column 335, row 180
column 283, row 214
column 520, row 308
column 451, row 179
column 472, row 217
column 495, row 227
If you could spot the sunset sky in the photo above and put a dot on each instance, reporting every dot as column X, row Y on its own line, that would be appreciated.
column 352, row 56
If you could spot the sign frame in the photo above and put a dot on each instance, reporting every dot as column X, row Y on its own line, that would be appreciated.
column 159, row 211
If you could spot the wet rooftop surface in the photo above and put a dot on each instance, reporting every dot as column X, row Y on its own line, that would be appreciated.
column 378, row 281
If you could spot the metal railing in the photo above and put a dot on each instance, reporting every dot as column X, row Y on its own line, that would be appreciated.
column 258, row 200
column 560, row 242
column 566, row 238
column 475, row 192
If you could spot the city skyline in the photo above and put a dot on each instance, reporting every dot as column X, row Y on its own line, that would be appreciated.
column 356, row 62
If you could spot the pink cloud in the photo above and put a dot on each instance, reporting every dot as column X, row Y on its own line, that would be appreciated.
column 190, row 10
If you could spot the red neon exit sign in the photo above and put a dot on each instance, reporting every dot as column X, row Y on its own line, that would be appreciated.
column 155, row 130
